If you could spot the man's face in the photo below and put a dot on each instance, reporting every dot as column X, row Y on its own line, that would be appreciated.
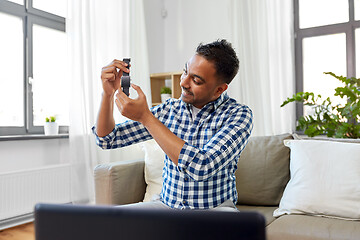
column 199, row 82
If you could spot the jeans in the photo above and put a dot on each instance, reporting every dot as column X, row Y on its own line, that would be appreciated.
column 227, row 206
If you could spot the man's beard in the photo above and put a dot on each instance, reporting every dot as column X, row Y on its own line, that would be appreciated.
column 186, row 95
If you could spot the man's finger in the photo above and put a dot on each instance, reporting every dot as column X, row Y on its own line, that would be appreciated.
column 114, row 67
column 138, row 90
column 119, row 106
column 108, row 76
column 121, row 62
column 121, row 96
column 116, row 61
column 108, row 69
column 120, row 65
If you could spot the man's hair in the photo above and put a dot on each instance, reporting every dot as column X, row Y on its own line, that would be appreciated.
column 221, row 53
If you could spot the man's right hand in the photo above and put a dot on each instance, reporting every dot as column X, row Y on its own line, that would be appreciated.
column 111, row 75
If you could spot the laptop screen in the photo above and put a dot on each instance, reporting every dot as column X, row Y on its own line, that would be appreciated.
column 75, row 222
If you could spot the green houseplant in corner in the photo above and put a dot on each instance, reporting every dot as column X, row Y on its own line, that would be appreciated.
column 165, row 93
column 340, row 121
column 51, row 126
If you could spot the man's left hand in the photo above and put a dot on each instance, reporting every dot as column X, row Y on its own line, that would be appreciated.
column 137, row 110
column 134, row 109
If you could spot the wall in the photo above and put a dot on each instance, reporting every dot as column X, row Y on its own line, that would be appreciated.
column 32, row 171
column 186, row 25
column 29, row 154
column 155, row 28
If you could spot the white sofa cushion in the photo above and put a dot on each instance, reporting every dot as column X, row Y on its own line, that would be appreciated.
column 154, row 164
column 324, row 179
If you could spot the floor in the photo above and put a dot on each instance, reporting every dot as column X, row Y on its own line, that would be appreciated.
column 22, row 232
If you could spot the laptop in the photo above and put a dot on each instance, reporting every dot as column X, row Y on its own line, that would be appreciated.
column 76, row 222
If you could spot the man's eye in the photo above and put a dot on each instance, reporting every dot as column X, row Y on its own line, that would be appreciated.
column 196, row 82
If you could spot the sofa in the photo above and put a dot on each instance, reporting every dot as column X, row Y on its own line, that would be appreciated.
column 306, row 188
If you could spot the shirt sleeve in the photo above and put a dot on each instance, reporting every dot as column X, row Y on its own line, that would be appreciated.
column 127, row 133
column 123, row 134
column 225, row 146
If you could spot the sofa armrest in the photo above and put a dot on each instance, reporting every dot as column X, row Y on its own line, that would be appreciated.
column 119, row 182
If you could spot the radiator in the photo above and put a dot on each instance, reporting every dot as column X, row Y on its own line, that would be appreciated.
column 20, row 191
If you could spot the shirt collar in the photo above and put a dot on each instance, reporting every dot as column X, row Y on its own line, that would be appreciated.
column 220, row 100
column 211, row 105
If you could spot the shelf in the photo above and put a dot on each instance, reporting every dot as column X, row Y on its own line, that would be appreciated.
column 155, row 103
column 157, row 81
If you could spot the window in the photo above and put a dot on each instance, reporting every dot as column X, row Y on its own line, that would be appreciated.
column 327, row 39
column 33, row 82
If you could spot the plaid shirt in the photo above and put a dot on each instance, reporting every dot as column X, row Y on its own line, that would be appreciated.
column 205, row 174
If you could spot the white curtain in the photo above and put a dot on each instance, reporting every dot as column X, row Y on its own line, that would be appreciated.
column 263, row 37
column 98, row 32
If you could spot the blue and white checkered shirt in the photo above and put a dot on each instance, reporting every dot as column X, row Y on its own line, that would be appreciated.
column 205, row 175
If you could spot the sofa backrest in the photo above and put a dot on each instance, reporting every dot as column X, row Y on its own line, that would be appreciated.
column 263, row 170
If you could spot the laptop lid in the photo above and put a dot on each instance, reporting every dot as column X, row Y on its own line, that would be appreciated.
column 75, row 222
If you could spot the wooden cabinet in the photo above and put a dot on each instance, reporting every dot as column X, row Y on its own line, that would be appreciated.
column 157, row 81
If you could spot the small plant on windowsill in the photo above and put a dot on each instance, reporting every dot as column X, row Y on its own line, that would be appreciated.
column 51, row 127
column 340, row 121
column 165, row 93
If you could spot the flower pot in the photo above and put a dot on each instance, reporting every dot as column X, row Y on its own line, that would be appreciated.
column 165, row 96
column 51, row 128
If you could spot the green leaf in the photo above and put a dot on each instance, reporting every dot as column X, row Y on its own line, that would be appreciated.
column 165, row 90
column 332, row 120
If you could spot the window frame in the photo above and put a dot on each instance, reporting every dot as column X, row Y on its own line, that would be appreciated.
column 347, row 27
column 30, row 16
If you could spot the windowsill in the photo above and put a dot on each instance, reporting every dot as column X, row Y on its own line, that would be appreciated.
column 33, row 137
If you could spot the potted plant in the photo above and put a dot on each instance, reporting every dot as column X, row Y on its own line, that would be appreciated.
column 165, row 93
column 51, row 126
column 340, row 121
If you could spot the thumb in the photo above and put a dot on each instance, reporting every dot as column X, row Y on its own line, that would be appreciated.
column 138, row 90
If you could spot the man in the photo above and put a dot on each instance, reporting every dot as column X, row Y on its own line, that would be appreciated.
column 202, row 133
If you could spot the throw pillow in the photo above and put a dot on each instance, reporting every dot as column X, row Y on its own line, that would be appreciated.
column 324, row 138
column 325, row 177
column 263, row 170
column 154, row 164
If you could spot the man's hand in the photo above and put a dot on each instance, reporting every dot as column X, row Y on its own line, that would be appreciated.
column 110, row 78
column 134, row 109
column 137, row 110
column 111, row 75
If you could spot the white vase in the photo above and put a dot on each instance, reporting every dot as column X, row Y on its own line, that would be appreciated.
column 165, row 96
column 51, row 128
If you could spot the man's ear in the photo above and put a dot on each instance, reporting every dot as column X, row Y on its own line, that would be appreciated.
column 220, row 89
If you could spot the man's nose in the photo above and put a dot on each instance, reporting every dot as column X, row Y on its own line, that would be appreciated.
column 184, row 81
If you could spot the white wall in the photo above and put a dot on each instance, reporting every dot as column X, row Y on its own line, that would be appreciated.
column 29, row 154
column 155, row 27
column 187, row 24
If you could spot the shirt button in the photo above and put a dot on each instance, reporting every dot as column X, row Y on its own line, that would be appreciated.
column 186, row 179
column 184, row 202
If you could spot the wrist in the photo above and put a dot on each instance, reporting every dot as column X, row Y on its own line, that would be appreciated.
column 107, row 96
column 147, row 118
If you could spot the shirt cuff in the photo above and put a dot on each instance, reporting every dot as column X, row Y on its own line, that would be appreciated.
column 186, row 156
column 106, row 138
